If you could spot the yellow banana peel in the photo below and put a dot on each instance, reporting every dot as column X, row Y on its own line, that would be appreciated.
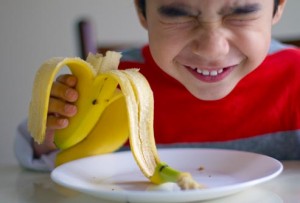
column 113, row 105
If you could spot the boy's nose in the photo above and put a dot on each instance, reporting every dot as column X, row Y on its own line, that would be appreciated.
column 210, row 43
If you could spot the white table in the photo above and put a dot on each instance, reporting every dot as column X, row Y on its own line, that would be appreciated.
column 21, row 186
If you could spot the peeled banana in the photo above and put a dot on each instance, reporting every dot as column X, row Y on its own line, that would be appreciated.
column 113, row 105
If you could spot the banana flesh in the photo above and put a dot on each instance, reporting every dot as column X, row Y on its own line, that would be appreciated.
column 113, row 105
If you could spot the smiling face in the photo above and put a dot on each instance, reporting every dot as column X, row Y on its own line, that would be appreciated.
column 209, row 45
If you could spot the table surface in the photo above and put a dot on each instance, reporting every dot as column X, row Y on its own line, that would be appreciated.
column 21, row 186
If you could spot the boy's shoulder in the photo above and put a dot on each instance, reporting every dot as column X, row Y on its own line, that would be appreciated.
column 284, row 65
column 283, row 56
column 287, row 56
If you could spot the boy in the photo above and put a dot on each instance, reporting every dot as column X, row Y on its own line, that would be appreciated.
column 216, row 79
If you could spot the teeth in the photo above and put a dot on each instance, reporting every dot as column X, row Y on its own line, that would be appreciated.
column 213, row 73
column 207, row 72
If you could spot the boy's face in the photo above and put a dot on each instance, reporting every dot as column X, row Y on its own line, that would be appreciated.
column 209, row 45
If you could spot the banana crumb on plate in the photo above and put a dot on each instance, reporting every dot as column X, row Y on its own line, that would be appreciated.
column 186, row 182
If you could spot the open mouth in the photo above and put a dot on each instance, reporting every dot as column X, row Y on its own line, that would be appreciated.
column 213, row 75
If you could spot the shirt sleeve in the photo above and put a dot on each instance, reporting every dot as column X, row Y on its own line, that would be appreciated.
column 23, row 148
column 277, row 46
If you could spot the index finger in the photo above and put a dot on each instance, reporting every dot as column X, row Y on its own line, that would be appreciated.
column 67, row 79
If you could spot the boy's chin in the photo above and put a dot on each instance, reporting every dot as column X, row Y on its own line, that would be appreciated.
column 213, row 93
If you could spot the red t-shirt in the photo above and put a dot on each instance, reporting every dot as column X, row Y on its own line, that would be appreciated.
column 265, row 101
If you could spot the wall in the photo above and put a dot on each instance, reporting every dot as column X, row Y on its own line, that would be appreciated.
column 288, row 27
column 35, row 30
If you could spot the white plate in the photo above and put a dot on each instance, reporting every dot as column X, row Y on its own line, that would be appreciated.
column 117, row 177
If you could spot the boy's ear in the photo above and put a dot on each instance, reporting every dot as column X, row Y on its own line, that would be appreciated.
column 141, row 16
column 279, row 12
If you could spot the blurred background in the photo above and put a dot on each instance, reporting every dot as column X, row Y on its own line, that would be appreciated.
column 35, row 30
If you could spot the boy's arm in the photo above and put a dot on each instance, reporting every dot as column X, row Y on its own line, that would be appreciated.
column 24, row 153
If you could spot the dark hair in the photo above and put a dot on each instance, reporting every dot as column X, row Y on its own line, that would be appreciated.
column 142, row 6
column 276, row 2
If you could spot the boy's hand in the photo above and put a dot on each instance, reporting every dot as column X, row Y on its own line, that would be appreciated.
column 61, row 104
column 61, row 107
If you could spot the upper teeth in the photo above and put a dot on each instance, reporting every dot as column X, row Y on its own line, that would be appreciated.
column 208, row 72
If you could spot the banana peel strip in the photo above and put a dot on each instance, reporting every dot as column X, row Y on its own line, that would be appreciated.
column 41, row 93
column 139, row 99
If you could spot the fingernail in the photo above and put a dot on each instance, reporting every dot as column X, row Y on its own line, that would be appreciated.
column 71, row 109
column 63, row 122
column 71, row 94
column 71, row 81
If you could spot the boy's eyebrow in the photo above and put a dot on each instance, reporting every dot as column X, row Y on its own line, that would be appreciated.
column 245, row 9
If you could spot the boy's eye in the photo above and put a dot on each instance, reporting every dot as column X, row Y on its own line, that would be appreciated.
column 245, row 10
column 242, row 15
column 169, row 11
column 175, row 14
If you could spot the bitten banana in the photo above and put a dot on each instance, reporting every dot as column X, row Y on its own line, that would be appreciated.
column 113, row 105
